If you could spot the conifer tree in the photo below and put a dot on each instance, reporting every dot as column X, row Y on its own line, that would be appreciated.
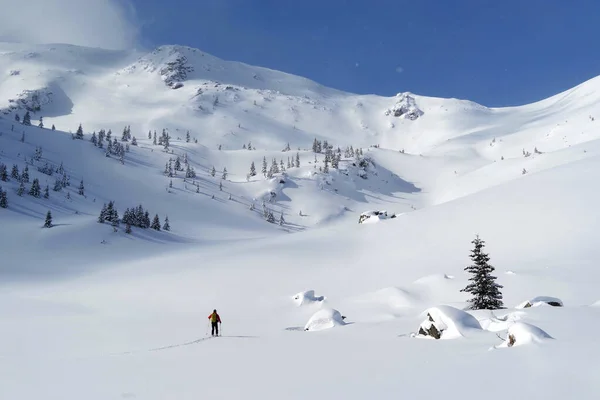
column 187, row 137
column 102, row 216
column 81, row 188
column 57, row 185
column 221, row 185
column 134, row 141
column 53, row 127
column 224, row 173
column 94, row 139
column 3, row 199
column 48, row 222
column 270, row 217
column 23, row 137
column 25, row 175
column 264, row 167
column 154, row 140
column 155, row 223
column 149, row 135
column 47, row 192
column 79, row 133
column 289, row 165
column 21, row 189
column 146, row 220
column 35, row 189
column 485, row 291
column 17, row 118
column 281, row 219
column 298, row 160
column 213, row 171
column 41, row 123
column 128, row 229
column 27, row 119
column 178, row 164
column 3, row 173
column 252, row 169
column 167, row 226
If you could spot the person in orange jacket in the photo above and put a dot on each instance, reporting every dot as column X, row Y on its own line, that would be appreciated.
column 215, row 319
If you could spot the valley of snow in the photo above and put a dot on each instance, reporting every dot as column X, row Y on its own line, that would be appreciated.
column 90, row 313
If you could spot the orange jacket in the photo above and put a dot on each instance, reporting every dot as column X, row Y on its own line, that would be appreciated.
column 214, row 317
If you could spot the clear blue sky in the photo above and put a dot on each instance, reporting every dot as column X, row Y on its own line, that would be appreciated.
column 495, row 52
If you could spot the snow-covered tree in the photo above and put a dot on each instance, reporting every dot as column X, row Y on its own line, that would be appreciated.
column 41, row 123
column 213, row 171
column 47, row 192
column 298, row 160
column 125, row 135
column 81, row 188
column 128, row 229
column 166, row 225
column 53, row 127
column 270, row 217
column 221, row 185
column 485, row 291
column 326, row 164
column 281, row 220
column 35, row 190
column 79, row 133
column 3, row 199
column 21, row 189
column 25, row 174
column 149, row 135
column 252, row 169
column 15, row 172
column 190, row 173
column 154, row 140
column 249, row 145
column 27, row 119
column 178, row 164
column 264, row 167
column 94, row 139
column 23, row 137
column 17, row 117
column 3, row 173
column 187, row 137
column 134, row 141
column 224, row 176
column 155, row 223
column 48, row 222
column 289, row 164
column 57, row 185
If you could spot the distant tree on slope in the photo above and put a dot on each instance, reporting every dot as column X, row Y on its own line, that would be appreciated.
column 48, row 222
column 485, row 291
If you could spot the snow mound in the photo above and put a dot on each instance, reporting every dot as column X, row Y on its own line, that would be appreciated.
column 540, row 301
column 324, row 319
column 307, row 297
column 521, row 333
column 495, row 323
column 393, row 297
column 446, row 322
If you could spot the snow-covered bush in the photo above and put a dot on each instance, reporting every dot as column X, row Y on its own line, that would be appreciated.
column 446, row 322
column 521, row 333
column 325, row 319
column 307, row 297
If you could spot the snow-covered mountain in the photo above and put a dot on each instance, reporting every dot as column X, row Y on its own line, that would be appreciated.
column 81, row 303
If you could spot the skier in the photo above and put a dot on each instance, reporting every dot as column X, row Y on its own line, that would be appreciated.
column 215, row 319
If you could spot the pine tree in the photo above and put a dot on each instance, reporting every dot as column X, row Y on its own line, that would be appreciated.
column 124, row 135
column 35, row 190
column 81, row 188
column 171, row 184
column 27, row 119
column 134, row 141
column 264, row 167
column 249, row 145
column 79, row 133
column 3, row 199
column 149, row 135
column 17, row 118
column 270, row 217
column 281, row 220
column 166, row 225
column 3, row 173
column 224, row 173
column 128, row 229
column 155, row 223
column 485, row 291
column 289, row 164
column 146, row 220
column 94, row 139
column 48, row 222
column 23, row 137
column 47, row 192
column 213, row 171
column 154, row 140
column 252, row 169
column 326, row 164
column 178, row 164
column 298, row 160
column 53, row 127
column 21, row 189
column 187, row 137
column 221, row 185
column 57, row 185
column 25, row 175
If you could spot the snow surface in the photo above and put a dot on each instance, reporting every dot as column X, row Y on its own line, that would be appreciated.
column 90, row 313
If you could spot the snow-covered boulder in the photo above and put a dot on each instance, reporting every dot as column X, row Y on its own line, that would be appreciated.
column 521, row 333
column 446, row 322
column 307, row 297
column 374, row 216
column 540, row 301
column 405, row 107
column 325, row 319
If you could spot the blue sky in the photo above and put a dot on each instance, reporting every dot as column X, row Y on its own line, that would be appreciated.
column 495, row 52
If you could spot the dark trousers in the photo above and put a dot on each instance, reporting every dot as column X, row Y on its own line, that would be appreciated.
column 215, row 328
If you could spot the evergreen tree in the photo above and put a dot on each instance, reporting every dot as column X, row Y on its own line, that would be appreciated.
column 53, row 127
column 128, row 229
column 190, row 173
column 178, row 164
column 149, row 135
column 155, row 223
column 103, row 213
column 281, row 219
column 47, row 192
column 187, row 137
column 252, row 169
column 41, row 123
column 289, row 165
column 213, row 171
column 264, row 167
column 79, row 133
column 281, row 166
column 109, row 136
column 25, row 175
column 249, row 145
column 154, row 140
column 485, row 291
column 17, row 118
column 146, row 220
column 221, row 185
column 94, row 139
column 298, row 160
column 326, row 164
column 134, row 141
column 27, row 119
column 81, row 188
column 48, row 222
column 270, row 217
column 21, row 189
column 125, row 135
column 171, row 184
column 3, row 199
column 23, row 137
column 166, row 225
column 224, row 173
column 3, row 173
column 57, row 185
column 35, row 190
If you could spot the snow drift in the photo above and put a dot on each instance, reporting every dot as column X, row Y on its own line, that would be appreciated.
column 521, row 333
column 540, row 301
column 307, row 297
column 446, row 322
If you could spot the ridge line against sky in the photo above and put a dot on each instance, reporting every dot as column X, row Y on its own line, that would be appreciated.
column 494, row 53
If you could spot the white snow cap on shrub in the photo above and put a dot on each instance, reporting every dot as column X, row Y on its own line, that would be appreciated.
column 307, row 297
column 521, row 333
column 451, row 322
column 540, row 301
column 324, row 319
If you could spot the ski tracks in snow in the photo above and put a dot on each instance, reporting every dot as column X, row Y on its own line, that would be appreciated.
column 181, row 344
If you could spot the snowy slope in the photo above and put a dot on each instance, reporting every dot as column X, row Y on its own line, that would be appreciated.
column 91, row 313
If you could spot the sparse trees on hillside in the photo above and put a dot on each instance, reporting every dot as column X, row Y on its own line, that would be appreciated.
column 3, row 199
column 3, row 173
column 15, row 172
column 264, row 166
column 485, row 291
column 36, row 190
column 57, row 185
column 81, row 189
column 155, row 223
